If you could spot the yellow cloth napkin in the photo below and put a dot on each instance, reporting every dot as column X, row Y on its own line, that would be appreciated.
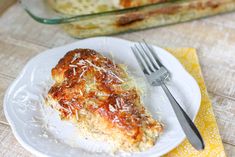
column 205, row 120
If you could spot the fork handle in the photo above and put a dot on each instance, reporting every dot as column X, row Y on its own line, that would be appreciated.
column 186, row 123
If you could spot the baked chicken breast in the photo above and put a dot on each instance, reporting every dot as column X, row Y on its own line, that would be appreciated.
column 101, row 99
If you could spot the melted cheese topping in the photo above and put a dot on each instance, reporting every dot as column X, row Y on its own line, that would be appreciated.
column 79, row 7
column 87, row 82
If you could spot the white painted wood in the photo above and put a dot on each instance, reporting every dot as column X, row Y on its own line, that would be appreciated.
column 21, row 38
column 5, row 82
column 229, row 150
column 9, row 147
column 224, row 110
column 14, row 54
column 18, row 24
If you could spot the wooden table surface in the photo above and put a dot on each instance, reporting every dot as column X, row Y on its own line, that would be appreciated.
column 21, row 38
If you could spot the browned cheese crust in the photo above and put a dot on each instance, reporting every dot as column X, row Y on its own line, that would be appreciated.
column 87, row 83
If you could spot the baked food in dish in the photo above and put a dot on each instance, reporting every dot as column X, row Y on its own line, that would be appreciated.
column 78, row 7
column 142, row 17
column 102, row 100
column 135, row 3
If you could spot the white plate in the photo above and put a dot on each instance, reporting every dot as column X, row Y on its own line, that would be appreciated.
column 43, row 134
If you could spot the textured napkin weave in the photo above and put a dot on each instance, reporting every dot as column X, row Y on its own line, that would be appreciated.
column 205, row 120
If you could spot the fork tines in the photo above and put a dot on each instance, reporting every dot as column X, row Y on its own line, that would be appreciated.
column 146, row 57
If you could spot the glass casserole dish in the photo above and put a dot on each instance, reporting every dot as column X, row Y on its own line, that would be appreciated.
column 86, row 18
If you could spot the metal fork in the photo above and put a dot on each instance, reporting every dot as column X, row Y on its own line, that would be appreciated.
column 157, row 75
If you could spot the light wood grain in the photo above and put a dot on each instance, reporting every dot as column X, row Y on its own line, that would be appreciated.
column 224, row 110
column 5, row 82
column 21, row 38
column 16, row 23
column 14, row 54
column 9, row 147
column 229, row 150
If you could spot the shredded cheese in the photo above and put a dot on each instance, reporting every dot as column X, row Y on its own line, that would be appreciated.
column 80, row 92
column 81, row 62
column 74, row 71
column 73, row 66
column 77, row 117
column 110, row 72
column 115, row 120
column 111, row 108
column 95, row 66
column 76, row 56
column 117, row 102
column 82, row 73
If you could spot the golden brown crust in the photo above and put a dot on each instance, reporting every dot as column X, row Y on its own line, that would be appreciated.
column 135, row 3
column 86, row 80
